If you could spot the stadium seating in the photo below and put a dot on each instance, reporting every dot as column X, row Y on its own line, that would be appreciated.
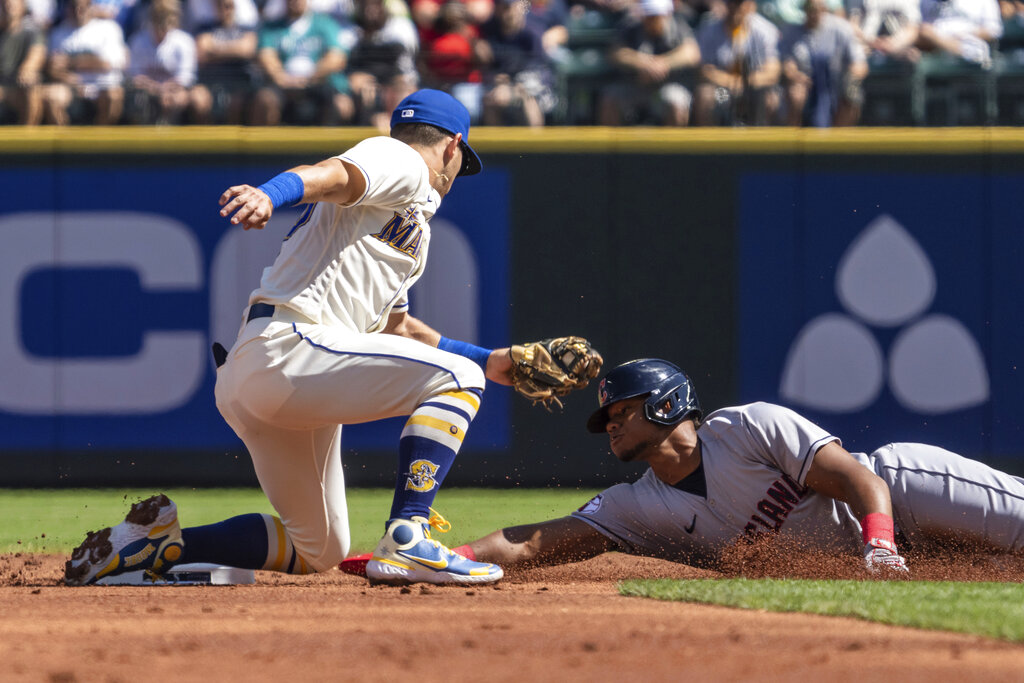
column 888, row 93
column 586, row 67
column 949, row 91
column 1009, row 75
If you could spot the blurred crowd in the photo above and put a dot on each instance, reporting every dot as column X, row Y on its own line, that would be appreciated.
column 511, row 62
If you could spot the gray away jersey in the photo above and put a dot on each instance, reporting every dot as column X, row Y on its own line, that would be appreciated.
column 755, row 459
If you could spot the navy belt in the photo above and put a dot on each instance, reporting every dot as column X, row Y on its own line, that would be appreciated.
column 260, row 310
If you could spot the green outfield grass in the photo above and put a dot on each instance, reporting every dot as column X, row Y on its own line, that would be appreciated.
column 55, row 521
column 988, row 609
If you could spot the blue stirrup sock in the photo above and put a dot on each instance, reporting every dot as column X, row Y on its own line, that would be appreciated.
column 252, row 541
column 429, row 443
column 476, row 354
column 284, row 189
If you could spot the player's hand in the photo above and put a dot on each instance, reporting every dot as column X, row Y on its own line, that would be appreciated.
column 250, row 206
column 881, row 555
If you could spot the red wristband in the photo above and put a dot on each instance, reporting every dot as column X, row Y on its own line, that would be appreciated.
column 466, row 552
column 877, row 525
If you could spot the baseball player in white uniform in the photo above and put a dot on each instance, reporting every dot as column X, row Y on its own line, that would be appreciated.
column 327, row 340
column 759, row 469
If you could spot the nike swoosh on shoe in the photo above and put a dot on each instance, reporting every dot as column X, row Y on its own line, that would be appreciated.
column 433, row 564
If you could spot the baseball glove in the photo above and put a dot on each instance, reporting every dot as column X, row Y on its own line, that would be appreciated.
column 546, row 370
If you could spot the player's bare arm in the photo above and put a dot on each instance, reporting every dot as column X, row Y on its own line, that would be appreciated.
column 836, row 474
column 553, row 542
column 330, row 180
column 498, row 364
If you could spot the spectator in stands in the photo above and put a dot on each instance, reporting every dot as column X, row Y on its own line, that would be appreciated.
column 43, row 13
column 450, row 57
column 739, row 74
column 304, row 67
column 888, row 29
column 225, row 52
column 121, row 11
column 162, row 67
column 22, row 58
column 87, row 59
column 693, row 11
column 382, row 63
column 824, row 66
column 1011, row 42
column 612, row 11
column 341, row 11
column 654, row 54
column 519, row 81
column 786, row 13
column 1011, row 9
column 200, row 13
column 425, row 13
column 962, row 28
column 549, row 19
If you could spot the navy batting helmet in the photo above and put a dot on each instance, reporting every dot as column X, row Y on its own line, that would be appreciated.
column 671, row 394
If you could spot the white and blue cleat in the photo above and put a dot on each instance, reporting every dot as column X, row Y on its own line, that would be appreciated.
column 148, row 539
column 407, row 555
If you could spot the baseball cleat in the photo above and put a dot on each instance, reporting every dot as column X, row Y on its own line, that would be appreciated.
column 148, row 539
column 407, row 555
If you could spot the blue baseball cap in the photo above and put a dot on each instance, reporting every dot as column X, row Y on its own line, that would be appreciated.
column 444, row 111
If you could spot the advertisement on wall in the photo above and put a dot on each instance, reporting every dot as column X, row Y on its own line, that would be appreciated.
column 885, row 307
column 116, row 281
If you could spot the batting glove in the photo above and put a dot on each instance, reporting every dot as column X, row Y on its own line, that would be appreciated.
column 879, row 553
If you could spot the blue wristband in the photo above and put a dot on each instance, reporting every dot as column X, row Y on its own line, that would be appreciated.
column 475, row 353
column 284, row 189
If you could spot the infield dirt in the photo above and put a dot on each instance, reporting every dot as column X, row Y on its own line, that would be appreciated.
column 555, row 624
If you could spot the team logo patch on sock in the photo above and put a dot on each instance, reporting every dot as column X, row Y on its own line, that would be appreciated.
column 421, row 476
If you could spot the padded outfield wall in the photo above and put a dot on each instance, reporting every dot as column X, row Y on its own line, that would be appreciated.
column 871, row 279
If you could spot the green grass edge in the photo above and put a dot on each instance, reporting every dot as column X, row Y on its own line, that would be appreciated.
column 994, row 610
column 54, row 521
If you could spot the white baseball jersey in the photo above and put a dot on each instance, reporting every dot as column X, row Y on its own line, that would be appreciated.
column 353, row 266
column 317, row 363
column 754, row 460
